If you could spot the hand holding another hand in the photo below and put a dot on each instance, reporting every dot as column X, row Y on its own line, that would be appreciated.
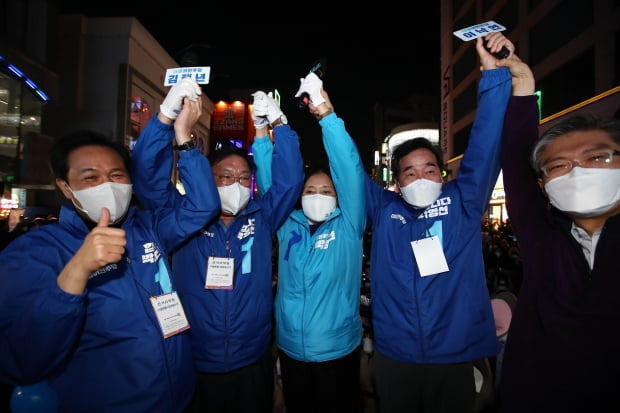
column 173, row 103
column 323, row 109
column 523, row 83
column 266, row 110
column 494, row 42
column 260, row 109
column 187, row 120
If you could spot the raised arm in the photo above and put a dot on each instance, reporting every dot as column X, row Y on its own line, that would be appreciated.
column 152, row 168
column 345, row 163
column 262, row 148
column 152, row 156
column 480, row 167
column 201, row 202
column 524, row 200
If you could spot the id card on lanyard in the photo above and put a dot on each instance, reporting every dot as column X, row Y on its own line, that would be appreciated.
column 169, row 313
column 168, row 308
column 220, row 271
column 429, row 256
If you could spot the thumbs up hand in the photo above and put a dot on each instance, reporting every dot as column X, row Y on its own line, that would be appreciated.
column 104, row 218
column 103, row 245
column 108, row 244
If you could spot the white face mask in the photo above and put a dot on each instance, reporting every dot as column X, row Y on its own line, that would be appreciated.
column 234, row 197
column 585, row 192
column 114, row 196
column 421, row 192
column 318, row 207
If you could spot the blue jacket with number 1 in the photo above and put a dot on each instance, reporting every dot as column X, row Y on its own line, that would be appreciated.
column 103, row 350
column 230, row 328
column 445, row 317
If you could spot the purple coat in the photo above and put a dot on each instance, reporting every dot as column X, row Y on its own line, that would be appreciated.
column 563, row 348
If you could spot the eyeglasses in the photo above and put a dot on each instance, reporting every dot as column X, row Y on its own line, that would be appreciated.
column 226, row 179
column 602, row 158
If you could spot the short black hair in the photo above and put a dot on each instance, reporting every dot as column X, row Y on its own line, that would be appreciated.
column 411, row 145
column 227, row 151
column 318, row 168
column 66, row 144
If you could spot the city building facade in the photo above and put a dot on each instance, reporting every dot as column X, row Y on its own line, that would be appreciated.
column 572, row 47
column 102, row 74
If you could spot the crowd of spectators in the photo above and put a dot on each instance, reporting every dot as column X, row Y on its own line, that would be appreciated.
column 20, row 220
column 502, row 257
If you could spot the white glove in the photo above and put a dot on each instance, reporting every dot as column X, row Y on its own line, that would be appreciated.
column 273, row 110
column 173, row 103
column 259, row 111
column 266, row 109
column 311, row 85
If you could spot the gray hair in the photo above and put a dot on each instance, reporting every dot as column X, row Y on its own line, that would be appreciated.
column 574, row 124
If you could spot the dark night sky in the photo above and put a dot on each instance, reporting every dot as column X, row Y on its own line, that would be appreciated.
column 372, row 54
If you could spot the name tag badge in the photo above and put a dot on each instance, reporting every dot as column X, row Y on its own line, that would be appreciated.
column 170, row 313
column 199, row 74
column 478, row 30
column 220, row 273
column 429, row 256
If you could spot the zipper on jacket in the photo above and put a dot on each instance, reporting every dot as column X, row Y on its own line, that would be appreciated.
column 226, row 307
column 419, row 318
column 303, row 285
column 416, row 278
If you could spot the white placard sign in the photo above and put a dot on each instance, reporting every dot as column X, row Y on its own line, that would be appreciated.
column 199, row 74
column 478, row 30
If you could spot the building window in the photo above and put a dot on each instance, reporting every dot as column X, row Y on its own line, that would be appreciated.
column 556, row 96
column 139, row 116
column 573, row 17
column 466, row 102
column 20, row 115
column 460, row 141
column 468, row 19
column 464, row 66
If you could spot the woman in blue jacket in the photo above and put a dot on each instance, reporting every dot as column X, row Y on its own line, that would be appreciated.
column 89, row 304
column 318, row 324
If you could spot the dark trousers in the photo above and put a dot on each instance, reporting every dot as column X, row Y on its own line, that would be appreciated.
column 6, row 392
column 246, row 390
column 424, row 388
column 328, row 386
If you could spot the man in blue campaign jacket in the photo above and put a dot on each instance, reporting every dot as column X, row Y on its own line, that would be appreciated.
column 225, row 271
column 317, row 306
column 430, row 321
column 78, row 298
